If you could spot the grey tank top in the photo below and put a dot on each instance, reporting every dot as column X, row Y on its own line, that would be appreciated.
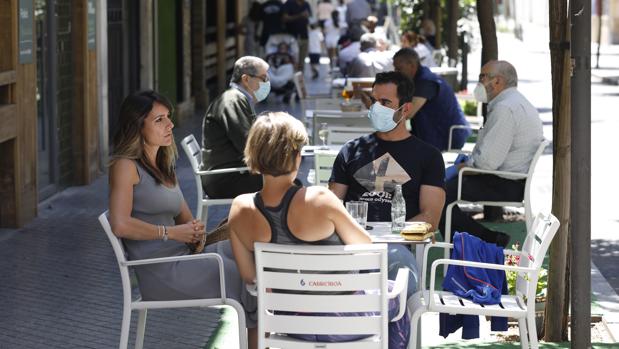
column 155, row 204
column 278, row 221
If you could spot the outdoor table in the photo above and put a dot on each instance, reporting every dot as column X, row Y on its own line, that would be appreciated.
column 380, row 232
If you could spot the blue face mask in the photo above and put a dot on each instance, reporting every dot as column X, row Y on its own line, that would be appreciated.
column 263, row 90
column 382, row 117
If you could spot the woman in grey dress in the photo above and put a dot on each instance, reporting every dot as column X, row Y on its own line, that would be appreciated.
column 148, row 211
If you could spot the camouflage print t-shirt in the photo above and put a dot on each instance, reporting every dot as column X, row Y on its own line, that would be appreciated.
column 371, row 168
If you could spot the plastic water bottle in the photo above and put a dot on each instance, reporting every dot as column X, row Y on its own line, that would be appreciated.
column 398, row 210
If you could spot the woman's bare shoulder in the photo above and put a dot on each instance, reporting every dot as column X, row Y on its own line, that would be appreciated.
column 319, row 194
column 242, row 205
column 125, row 169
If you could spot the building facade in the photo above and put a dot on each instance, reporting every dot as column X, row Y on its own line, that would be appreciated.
column 66, row 65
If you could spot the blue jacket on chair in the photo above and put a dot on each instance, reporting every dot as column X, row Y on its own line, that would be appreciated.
column 482, row 286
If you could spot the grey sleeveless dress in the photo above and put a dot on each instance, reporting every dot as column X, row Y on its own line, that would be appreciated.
column 158, row 204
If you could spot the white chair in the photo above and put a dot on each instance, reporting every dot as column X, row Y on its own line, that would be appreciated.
column 340, row 135
column 194, row 153
column 339, row 119
column 142, row 306
column 526, row 202
column 520, row 306
column 323, row 165
column 301, row 274
column 468, row 147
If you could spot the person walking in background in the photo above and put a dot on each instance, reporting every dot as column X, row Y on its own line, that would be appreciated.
column 332, row 32
column 225, row 127
column 296, row 14
column 271, row 20
column 428, row 30
column 357, row 11
column 341, row 9
column 315, row 39
column 250, row 28
column 323, row 12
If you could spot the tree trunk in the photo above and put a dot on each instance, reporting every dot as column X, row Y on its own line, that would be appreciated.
column 453, row 12
column 438, row 23
column 487, row 28
column 556, row 312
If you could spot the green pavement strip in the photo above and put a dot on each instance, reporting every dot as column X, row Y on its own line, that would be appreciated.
column 226, row 322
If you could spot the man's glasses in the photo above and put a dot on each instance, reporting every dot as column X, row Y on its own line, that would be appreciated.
column 264, row 78
column 485, row 76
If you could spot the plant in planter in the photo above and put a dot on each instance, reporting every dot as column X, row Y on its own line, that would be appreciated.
column 469, row 107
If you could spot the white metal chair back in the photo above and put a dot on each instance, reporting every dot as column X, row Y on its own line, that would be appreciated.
column 194, row 154
column 339, row 119
column 526, row 202
column 299, row 84
column 534, row 248
column 339, row 135
column 323, row 166
column 142, row 306
column 326, row 281
column 121, row 257
column 528, row 213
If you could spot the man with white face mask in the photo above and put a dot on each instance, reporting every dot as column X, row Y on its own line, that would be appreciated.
column 507, row 142
column 226, row 125
column 368, row 168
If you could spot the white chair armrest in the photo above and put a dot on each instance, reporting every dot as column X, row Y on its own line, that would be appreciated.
column 399, row 290
column 191, row 257
column 174, row 259
column 444, row 261
column 478, row 170
column 222, row 170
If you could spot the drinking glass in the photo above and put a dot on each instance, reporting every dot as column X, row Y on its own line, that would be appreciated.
column 347, row 94
column 359, row 211
column 323, row 134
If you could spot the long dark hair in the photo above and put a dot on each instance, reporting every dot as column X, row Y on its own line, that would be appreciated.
column 128, row 141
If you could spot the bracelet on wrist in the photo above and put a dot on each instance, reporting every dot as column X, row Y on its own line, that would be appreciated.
column 165, row 233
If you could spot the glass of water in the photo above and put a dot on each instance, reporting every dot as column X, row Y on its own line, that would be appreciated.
column 359, row 211
column 323, row 134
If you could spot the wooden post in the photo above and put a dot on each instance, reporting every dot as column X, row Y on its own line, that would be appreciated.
column 198, row 77
column 147, row 79
column 487, row 28
column 221, row 45
column 556, row 312
column 453, row 14
column 18, row 122
column 85, row 130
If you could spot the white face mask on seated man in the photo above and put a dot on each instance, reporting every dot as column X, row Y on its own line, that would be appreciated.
column 382, row 117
